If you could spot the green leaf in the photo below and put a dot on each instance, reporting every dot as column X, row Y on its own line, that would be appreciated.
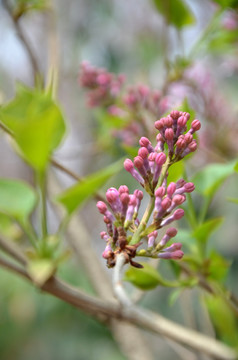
column 223, row 319
column 8, row 227
column 234, row 200
column 176, row 12
column 77, row 194
column 37, row 125
column 236, row 167
column 17, row 199
column 218, row 266
column 40, row 270
column 203, row 231
column 208, row 180
column 227, row 3
column 146, row 278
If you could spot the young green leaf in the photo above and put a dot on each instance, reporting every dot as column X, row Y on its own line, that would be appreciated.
column 36, row 123
column 176, row 12
column 40, row 270
column 146, row 278
column 203, row 231
column 77, row 194
column 218, row 266
column 208, row 180
column 17, row 199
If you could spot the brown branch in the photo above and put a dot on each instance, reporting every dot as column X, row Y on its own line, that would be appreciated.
column 139, row 317
column 21, row 36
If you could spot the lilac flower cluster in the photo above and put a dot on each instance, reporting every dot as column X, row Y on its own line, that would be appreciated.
column 143, row 97
column 150, row 168
column 103, row 86
column 121, row 217
column 132, row 107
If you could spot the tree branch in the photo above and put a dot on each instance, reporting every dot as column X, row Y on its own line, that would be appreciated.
column 21, row 36
column 139, row 317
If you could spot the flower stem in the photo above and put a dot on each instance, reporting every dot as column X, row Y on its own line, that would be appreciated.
column 138, row 234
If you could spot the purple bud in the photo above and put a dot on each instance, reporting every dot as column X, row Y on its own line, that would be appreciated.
column 139, row 163
column 178, row 214
column 159, row 125
column 159, row 160
column 178, row 254
column 173, row 247
column 107, row 252
column 151, row 238
column 102, row 207
column 174, row 114
column 160, row 192
column 144, row 142
column 123, row 189
column 189, row 187
column 171, row 189
column 171, row 232
column 129, row 166
column 196, row 125
column 168, row 121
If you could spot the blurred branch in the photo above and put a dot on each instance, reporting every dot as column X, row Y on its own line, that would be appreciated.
column 74, row 176
column 12, row 249
column 21, row 36
column 117, row 283
column 139, row 317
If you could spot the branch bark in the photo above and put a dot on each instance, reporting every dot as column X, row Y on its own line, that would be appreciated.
column 139, row 317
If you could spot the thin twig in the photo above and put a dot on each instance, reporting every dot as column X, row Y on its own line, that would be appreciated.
column 12, row 249
column 21, row 36
column 74, row 176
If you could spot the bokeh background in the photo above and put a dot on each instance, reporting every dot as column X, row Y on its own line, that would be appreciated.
column 197, row 63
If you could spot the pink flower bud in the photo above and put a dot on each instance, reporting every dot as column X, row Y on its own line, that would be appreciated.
column 143, row 152
column 102, row 207
column 174, row 114
column 151, row 238
column 169, row 134
column 168, row 121
column 182, row 121
column 173, row 247
column 128, row 165
column 171, row 189
column 178, row 199
column 160, row 159
column 178, row 254
column 186, row 115
column 196, row 125
column 159, row 125
column 123, row 189
column 125, row 198
column 171, row 232
column 138, row 161
column 188, row 138
column 111, row 195
column 192, row 146
column 144, row 142
column 166, row 203
column 139, row 194
column 178, row 214
column 160, row 192
column 189, row 187
column 133, row 200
